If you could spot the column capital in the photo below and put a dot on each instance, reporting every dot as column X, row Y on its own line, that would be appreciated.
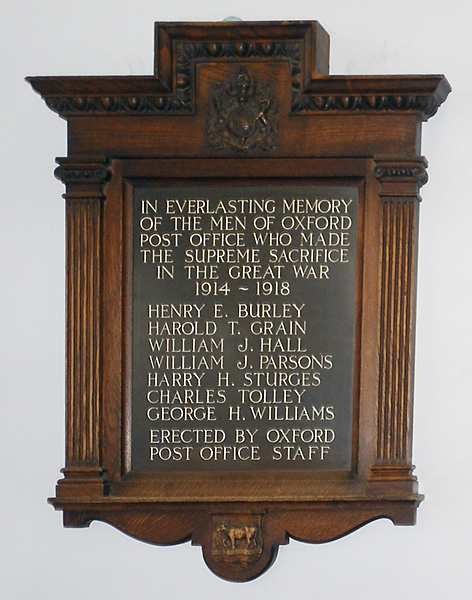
column 83, row 178
column 401, row 170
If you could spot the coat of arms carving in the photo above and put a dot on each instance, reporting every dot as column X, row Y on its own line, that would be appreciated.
column 237, row 542
column 242, row 115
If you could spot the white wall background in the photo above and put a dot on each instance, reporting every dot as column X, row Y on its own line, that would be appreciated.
column 41, row 560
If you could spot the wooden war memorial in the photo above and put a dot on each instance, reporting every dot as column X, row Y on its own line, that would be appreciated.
column 242, row 233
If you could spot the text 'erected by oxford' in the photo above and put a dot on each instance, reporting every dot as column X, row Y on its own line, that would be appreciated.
column 243, row 327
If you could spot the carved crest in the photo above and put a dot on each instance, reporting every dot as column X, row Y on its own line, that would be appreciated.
column 242, row 115
column 237, row 543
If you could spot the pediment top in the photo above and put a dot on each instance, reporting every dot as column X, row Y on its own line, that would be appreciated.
column 180, row 47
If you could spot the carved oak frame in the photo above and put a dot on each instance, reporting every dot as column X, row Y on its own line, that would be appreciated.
column 123, row 131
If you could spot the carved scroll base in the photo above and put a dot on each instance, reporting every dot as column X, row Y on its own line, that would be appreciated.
column 238, row 542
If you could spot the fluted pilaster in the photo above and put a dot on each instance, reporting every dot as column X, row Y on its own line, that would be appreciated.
column 84, row 195
column 400, row 182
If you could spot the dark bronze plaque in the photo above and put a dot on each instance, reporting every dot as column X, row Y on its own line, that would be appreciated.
column 243, row 327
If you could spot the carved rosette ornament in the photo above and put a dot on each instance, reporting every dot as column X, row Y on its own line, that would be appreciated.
column 242, row 115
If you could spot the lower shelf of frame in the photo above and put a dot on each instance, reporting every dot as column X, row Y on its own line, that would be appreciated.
column 239, row 539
